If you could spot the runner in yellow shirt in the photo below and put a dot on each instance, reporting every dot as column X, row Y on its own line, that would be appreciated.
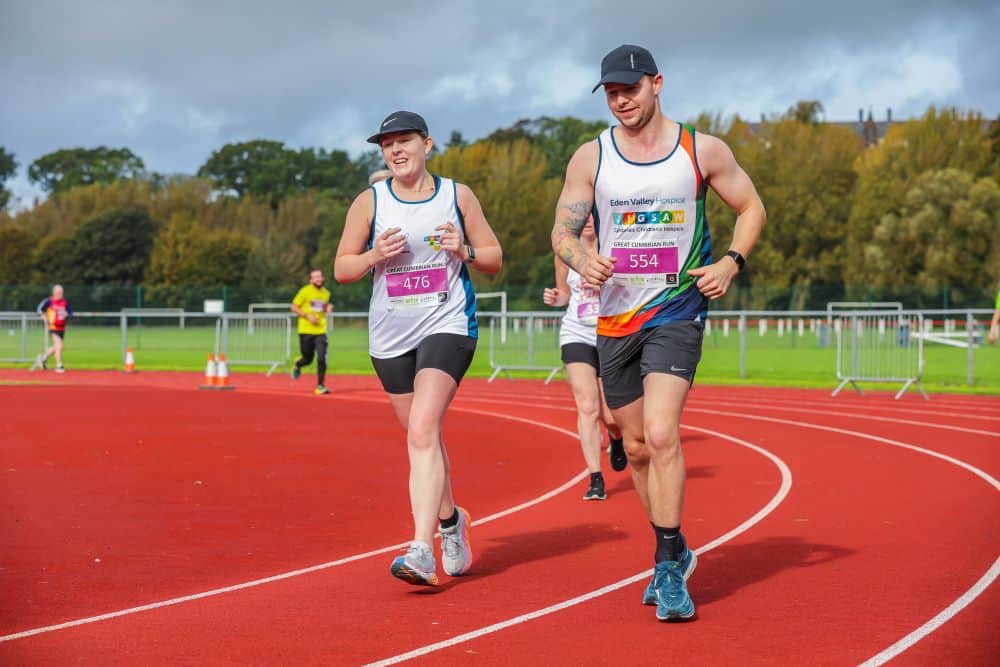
column 311, row 304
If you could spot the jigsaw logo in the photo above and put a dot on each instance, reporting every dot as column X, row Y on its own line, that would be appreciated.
column 630, row 218
column 434, row 241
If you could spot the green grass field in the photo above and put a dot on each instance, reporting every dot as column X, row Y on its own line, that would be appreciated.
column 770, row 360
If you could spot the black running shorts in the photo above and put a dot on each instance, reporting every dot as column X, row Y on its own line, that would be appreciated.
column 451, row 353
column 580, row 353
column 673, row 348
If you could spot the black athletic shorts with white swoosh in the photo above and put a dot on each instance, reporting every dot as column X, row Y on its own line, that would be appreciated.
column 673, row 348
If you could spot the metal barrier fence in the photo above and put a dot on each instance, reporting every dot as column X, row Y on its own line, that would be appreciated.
column 22, row 336
column 879, row 346
column 161, row 336
column 754, row 345
column 260, row 339
column 530, row 344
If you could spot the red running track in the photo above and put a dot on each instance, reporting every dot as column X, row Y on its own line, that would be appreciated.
column 123, row 491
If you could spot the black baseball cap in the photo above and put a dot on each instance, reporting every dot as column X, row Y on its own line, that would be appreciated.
column 626, row 64
column 400, row 121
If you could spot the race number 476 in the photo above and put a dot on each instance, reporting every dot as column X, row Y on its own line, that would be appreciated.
column 417, row 282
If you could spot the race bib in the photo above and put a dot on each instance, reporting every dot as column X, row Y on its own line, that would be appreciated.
column 589, row 305
column 417, row 285
column 645, row 263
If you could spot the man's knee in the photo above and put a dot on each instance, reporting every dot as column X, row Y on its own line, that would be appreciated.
column 663, row 436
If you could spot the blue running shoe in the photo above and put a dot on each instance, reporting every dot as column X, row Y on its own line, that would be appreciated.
column 688, row 561
column 296, row 372
column 672, row 599
column 416, row 566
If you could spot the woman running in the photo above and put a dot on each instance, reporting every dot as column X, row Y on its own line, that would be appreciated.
column 578, row 344
column 420, row 234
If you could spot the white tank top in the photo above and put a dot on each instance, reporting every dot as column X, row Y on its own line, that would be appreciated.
column 424, row 290
column 651, row 217
column 579, row 324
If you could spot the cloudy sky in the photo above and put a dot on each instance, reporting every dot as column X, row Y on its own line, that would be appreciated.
column 173, row 80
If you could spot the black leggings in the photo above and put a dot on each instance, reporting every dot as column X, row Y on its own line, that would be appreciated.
column 310, row 344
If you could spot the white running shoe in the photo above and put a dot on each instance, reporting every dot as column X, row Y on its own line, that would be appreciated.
column 417, row 566
column 456, row 547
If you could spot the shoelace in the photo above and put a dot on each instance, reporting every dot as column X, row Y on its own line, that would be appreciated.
column 450, row 544
column 673, row 579
column 417, row 555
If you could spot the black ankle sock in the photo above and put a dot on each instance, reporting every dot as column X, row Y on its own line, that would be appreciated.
column 668, row 543
column 596, row 477
column 452, row 521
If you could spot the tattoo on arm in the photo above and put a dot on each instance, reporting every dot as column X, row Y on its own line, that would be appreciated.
column 570, row 221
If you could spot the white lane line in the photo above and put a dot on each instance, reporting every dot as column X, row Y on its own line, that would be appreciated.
column 986, row 477
column 963, row 600
column 930, row 626
column 854, row 415
column 322, row 566
column 935, row 407
column 926, row 412
column 946, row 615
column 786, row 485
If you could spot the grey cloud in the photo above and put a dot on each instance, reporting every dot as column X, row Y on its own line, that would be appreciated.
column 324, row 73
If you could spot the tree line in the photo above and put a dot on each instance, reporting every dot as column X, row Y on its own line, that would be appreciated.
column 920, row 209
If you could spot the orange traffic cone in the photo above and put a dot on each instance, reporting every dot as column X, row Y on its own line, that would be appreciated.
column 129, row 361
column 210, row 373
column 222, row 374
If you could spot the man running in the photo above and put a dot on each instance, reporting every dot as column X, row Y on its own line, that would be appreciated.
column 645, row 182
column 311, row 304
column 56, row 311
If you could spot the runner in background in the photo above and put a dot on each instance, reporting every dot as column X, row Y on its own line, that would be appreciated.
column 56, row 311
column 578, row 345
column 995, row 322
column 420, row 234
column 311, row 304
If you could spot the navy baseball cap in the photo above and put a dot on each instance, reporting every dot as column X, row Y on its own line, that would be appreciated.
column 400, row 121
column 626, row 64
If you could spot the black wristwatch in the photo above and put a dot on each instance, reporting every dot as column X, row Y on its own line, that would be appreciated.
column 471, row 254
column 738, row 258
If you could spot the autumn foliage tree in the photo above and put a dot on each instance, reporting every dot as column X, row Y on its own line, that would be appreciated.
column 941, row 139
column 71, row 167
column 509, row 179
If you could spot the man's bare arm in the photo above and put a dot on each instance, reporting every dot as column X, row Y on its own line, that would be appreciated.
column 734, row 187
column 571, row 217
column 572, row 211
